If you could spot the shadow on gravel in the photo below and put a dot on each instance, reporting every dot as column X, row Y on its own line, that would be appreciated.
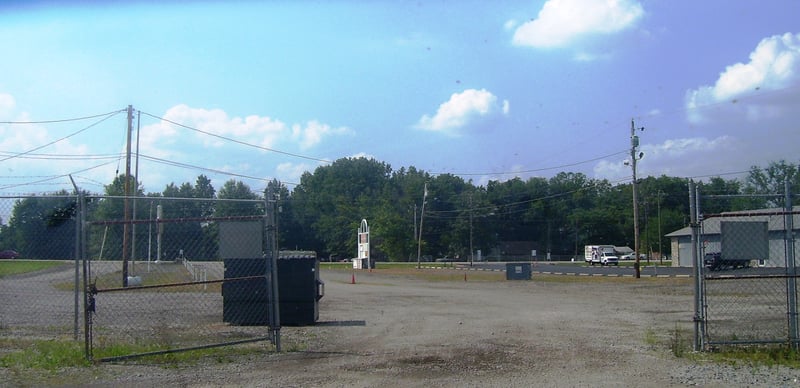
column 341, row 323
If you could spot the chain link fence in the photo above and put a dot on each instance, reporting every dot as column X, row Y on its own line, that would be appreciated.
column 175, row 274
column 746, row 291
column 39, row 296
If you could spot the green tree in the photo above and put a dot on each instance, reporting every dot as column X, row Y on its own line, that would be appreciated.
column 771, row 180
column 237, row 199
column 42, row 227
column 333, row 200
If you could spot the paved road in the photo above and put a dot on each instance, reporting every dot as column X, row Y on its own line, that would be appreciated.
column 556, row 268
column 652, row 270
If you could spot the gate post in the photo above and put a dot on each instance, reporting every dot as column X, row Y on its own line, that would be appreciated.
column 791, row 271
column 699, row 319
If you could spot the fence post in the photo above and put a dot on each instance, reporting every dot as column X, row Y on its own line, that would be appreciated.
column 79, row 208
column 791, row 271
column 698, row 269
column 272, row 266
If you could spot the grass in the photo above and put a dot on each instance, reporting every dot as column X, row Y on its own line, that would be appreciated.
column 757, row 355
column 678, row 342
column 55, row 354
column 16, row 267
column 43, row 354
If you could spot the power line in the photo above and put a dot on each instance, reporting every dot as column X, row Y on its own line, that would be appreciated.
column 239, row 141
column 107, row 116
column 62, row 120
column 62, row 156
column 54, row 177
column 534, row 170
column 189, row 166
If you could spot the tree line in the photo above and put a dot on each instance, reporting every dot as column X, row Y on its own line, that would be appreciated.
column 445, row 214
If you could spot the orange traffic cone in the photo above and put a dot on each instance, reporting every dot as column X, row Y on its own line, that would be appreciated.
column 353, row 279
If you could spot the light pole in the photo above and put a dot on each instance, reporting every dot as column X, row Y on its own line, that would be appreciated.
column 634, row 157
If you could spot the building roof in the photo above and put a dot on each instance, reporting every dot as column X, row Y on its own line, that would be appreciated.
column 774, row 218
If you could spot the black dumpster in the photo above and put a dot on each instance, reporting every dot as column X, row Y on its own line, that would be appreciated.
column 299, row 289
column 245, row 292
column 518, row 271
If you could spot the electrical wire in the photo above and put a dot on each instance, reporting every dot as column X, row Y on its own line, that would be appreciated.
column 55, row 176
column 536, row 169
column 239, row 141
column 193, row 167
column 107, row 116
column 62, row 120
column 62, row 156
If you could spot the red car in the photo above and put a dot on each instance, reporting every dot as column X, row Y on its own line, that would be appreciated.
column 9, row 254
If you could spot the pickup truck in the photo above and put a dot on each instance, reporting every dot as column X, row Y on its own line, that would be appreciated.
column 715, row 262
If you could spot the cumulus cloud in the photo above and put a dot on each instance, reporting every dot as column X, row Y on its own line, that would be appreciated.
column 562, row 21
column 313, row 132
column 461, row 109
column 773, row 65
column 262, row 131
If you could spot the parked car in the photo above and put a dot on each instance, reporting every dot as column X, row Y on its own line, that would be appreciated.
column 9, row 254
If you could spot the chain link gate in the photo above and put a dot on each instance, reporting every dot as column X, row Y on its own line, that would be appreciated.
column 746, row 278
column 162, row 283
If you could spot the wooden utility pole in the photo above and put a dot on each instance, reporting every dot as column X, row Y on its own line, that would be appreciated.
column 127, row 186
column 634, row 158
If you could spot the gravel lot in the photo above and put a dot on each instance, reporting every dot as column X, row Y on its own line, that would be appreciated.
column 395, row 330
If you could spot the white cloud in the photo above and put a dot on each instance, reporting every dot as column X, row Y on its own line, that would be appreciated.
column 312, row 133
column 679, row 157
column 674, row 148
column 262, row 131
column 774, row 65
column 461, row 109
column 7, row 105
column 562, row 21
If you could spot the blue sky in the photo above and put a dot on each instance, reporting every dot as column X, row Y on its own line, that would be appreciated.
column 484, row 90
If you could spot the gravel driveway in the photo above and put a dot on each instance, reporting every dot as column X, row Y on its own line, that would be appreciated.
column 399, row 331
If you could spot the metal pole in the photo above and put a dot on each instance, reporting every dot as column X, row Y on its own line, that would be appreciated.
column 135, row 193
column 127, row 185
column 78, row 254
column 697, row 270
column 272, row 267
column 791, row 281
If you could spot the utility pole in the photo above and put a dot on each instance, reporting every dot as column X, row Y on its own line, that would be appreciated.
column 421, row 217
column 660, row 252
column 127, row 186
column 471, row 258
column 634, row 157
